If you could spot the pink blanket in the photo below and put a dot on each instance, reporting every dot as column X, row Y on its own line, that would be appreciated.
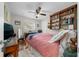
column 40, row 43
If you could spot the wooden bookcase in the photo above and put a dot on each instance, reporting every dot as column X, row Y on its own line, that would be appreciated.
column 64, row 19
column 54, row 21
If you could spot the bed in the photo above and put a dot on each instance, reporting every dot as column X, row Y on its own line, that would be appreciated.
column 40, row 43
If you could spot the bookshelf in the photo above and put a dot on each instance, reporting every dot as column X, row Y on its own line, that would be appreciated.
column 64, row 19
column 54, row 21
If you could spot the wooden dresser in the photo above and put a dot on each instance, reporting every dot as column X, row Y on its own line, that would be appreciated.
column 12, row 50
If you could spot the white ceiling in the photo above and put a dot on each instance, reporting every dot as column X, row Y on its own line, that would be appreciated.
column 23, row 8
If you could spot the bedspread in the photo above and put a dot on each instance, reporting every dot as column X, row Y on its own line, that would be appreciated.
column 40, row 43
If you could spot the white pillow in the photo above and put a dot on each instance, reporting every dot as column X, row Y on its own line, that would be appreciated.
column 58, row 36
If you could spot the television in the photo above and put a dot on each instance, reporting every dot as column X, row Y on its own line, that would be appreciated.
column 8, row 31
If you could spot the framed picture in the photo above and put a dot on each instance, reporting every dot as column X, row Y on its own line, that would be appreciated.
column 17, row 22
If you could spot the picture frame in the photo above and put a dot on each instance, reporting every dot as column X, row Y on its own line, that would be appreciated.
column 17, row 22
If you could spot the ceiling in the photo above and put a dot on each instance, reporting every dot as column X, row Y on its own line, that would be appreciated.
column 23, row 8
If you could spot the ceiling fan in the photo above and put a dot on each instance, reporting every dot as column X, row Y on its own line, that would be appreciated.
column 38, row 12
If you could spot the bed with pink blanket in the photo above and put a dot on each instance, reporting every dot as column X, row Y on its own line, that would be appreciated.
column 41, row 44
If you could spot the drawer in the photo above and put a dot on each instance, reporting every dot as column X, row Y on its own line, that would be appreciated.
column 11, row 49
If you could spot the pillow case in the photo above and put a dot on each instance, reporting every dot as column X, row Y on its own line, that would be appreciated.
column 58, row 36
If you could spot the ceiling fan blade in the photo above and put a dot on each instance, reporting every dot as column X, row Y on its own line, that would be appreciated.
column 31, row 11
column 43, row 14
column 38, row 10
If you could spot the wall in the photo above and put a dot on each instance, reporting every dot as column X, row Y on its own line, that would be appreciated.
column 44, row 23
column 1, row 26
column 7, row 15
column 38, row 25
column 26, row 24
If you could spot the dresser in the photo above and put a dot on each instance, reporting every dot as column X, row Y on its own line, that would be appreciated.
column 12, row 50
